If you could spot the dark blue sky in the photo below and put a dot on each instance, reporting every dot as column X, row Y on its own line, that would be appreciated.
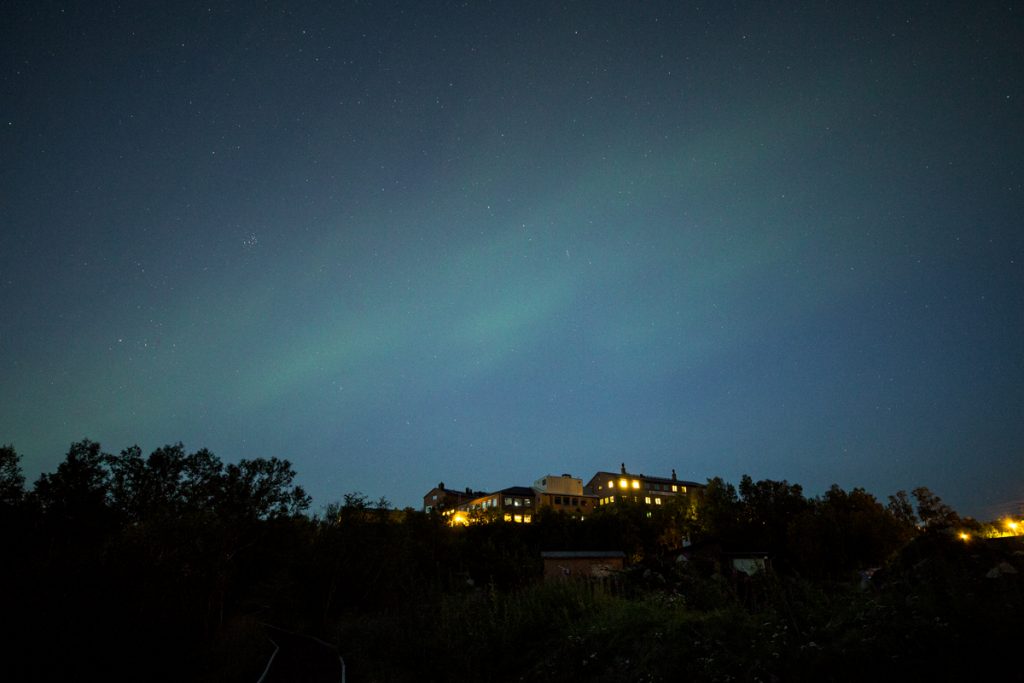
column 401, row 243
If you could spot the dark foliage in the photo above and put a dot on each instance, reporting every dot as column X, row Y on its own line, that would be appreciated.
column 124, row 561
column 164, row 567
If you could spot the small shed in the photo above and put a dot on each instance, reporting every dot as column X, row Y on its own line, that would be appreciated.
column 581, row 564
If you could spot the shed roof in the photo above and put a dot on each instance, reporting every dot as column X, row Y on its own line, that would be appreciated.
column 581, row 554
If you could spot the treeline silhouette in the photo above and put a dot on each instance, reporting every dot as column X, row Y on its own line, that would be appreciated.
column 165, row 567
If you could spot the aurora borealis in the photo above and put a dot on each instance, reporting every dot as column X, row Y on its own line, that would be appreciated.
column 400, row 243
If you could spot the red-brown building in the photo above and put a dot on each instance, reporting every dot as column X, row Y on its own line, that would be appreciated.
column 441, row 499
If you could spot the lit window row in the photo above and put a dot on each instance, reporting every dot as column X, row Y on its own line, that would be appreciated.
column 636, row 499
column 518, row 519
column 651, row 486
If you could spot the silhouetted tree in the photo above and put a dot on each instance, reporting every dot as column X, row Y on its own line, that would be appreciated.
column 12, row 481
column 902, row 510
column 934, row 514
column 78, row 493
column 767, row 509
column 841, row 532
column 719, row 511
column 677, row 521
column 262, row 489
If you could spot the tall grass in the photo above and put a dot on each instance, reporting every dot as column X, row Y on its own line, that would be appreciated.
column 707, row 628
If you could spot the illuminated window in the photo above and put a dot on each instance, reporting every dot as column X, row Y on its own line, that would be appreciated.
column 611, row 484
column 508, row 501
column 527, row 518
column 528, row 502
column 657, row 501
column 636, row 484
column 518, row 502
column 508, row 518
column 611, row 499
column 684, row 489
column 518, row 519
column 674, row 487
column 647, row 499
column 623, row 484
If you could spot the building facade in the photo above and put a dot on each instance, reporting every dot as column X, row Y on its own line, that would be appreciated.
column 568, row 565
column 565, row 493
column 441, row 499
column 623, row 486
column 513, row 504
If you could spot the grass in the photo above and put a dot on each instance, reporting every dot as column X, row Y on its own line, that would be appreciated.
column 768, row 628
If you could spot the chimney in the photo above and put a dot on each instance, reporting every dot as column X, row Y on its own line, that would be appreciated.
column 441, row 486
column 623, row 466
column 673, row 475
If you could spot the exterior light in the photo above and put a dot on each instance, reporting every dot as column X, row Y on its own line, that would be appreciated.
column 965, row 536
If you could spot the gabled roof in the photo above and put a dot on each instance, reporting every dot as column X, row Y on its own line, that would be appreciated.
column 646, row 477
column 517, row 491
column 457, row 492
column 580, row 554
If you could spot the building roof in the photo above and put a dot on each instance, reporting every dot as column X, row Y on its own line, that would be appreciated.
column 646, row 477
column 517, row 491
column 466, row 492
column 580, row 554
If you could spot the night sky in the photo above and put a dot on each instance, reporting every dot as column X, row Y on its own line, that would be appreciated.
column 404, row 243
